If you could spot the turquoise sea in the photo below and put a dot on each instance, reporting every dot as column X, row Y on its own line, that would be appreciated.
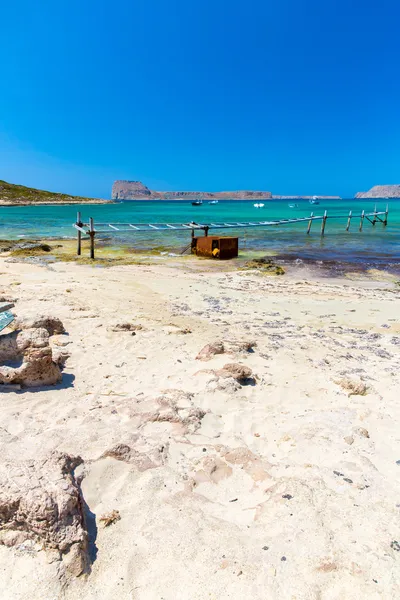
column 376, row 245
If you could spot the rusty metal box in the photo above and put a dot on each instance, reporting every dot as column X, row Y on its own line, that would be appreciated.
column 213, row 246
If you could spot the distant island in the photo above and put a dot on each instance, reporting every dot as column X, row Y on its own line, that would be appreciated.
column 19, row 195
column 136, row 190
column 381, row 191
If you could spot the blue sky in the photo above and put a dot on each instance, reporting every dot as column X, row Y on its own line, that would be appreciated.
column 292, row 96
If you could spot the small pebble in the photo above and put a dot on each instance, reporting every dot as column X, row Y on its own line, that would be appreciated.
column 395, row 546
column 283, row 558
column 234, row 500
column 348, row 480
column 265, row 547
column 287, row 496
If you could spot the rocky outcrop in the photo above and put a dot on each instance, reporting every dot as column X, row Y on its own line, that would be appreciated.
column 381, row 191
column 26, row 357
column 130, row 190
column 135, row 190
column 40, row 500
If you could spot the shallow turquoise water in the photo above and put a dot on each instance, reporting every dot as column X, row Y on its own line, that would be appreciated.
column 375, row 245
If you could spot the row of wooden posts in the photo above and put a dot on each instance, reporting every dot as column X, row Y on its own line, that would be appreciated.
column 376, row 216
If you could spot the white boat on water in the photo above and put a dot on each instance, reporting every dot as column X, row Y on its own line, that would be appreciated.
column 259, row 205
column 314, row 200
column 213, row 202
column 293, row 205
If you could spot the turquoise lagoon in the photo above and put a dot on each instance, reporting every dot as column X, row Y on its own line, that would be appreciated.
column 376, row 245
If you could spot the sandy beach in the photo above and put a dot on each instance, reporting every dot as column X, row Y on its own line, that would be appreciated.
column 279, row 484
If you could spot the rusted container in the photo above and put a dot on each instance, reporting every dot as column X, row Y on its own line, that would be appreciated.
column 214, row 246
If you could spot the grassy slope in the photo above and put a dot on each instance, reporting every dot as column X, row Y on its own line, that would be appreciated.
column 19, row 194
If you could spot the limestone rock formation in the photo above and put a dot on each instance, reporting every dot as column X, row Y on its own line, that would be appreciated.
column 235, row 370
column 40, row 500
column 381, row 191
column 26, row 357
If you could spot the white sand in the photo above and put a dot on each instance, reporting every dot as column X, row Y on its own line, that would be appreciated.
column 210, row 520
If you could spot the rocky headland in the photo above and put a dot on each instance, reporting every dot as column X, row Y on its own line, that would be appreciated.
column 136, row 190
column 381, row 191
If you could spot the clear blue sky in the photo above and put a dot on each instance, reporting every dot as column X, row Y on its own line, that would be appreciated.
column 292, row 96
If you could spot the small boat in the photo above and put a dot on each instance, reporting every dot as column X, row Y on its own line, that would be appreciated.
column 213, row 202
column 259, row 205
column 293, row 205
column 314, row 200
column 197, row 203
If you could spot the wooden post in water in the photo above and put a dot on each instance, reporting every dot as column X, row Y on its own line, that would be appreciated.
column 92, row 234
column 386, row 214
column 79, row 223
column 323, row 223
column 310, row 223
column 206, row 231
column 348, row 221
column 374, row 219
column 362, row 220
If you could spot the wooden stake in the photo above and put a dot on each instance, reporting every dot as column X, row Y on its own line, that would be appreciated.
column 386, row 214
column 323, row 223
column 362, row 220
column 374, row 220
column 310, row 223
column 79, row 223
column 348, row 221
column 92, row 234
column 206, row 231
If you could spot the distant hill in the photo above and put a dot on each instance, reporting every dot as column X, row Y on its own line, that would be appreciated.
column 381, row 191
column 12, row 194
column 135, row 190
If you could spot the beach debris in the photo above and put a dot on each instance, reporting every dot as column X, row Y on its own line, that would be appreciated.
column 237, row 371
column 353, row 386
column 349, row 439
column 174, row 329
column 132, row 327
column 362, row 431
column 110, row 518
column 226, row 347
column 40, row 500
column 211, row 350
column 395, row 546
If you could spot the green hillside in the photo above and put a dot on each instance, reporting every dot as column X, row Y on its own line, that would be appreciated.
column 11, row 193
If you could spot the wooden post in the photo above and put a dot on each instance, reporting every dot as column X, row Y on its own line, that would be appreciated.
column 206, row 231
column 79, row 223
column 374, row 220
column 386, row 214
column 348, row 221
column 92, row 234
column 310, row 223
column 323, row 223
column 362, row 220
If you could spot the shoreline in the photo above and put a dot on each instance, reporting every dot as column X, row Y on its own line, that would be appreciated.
column 110, row 254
